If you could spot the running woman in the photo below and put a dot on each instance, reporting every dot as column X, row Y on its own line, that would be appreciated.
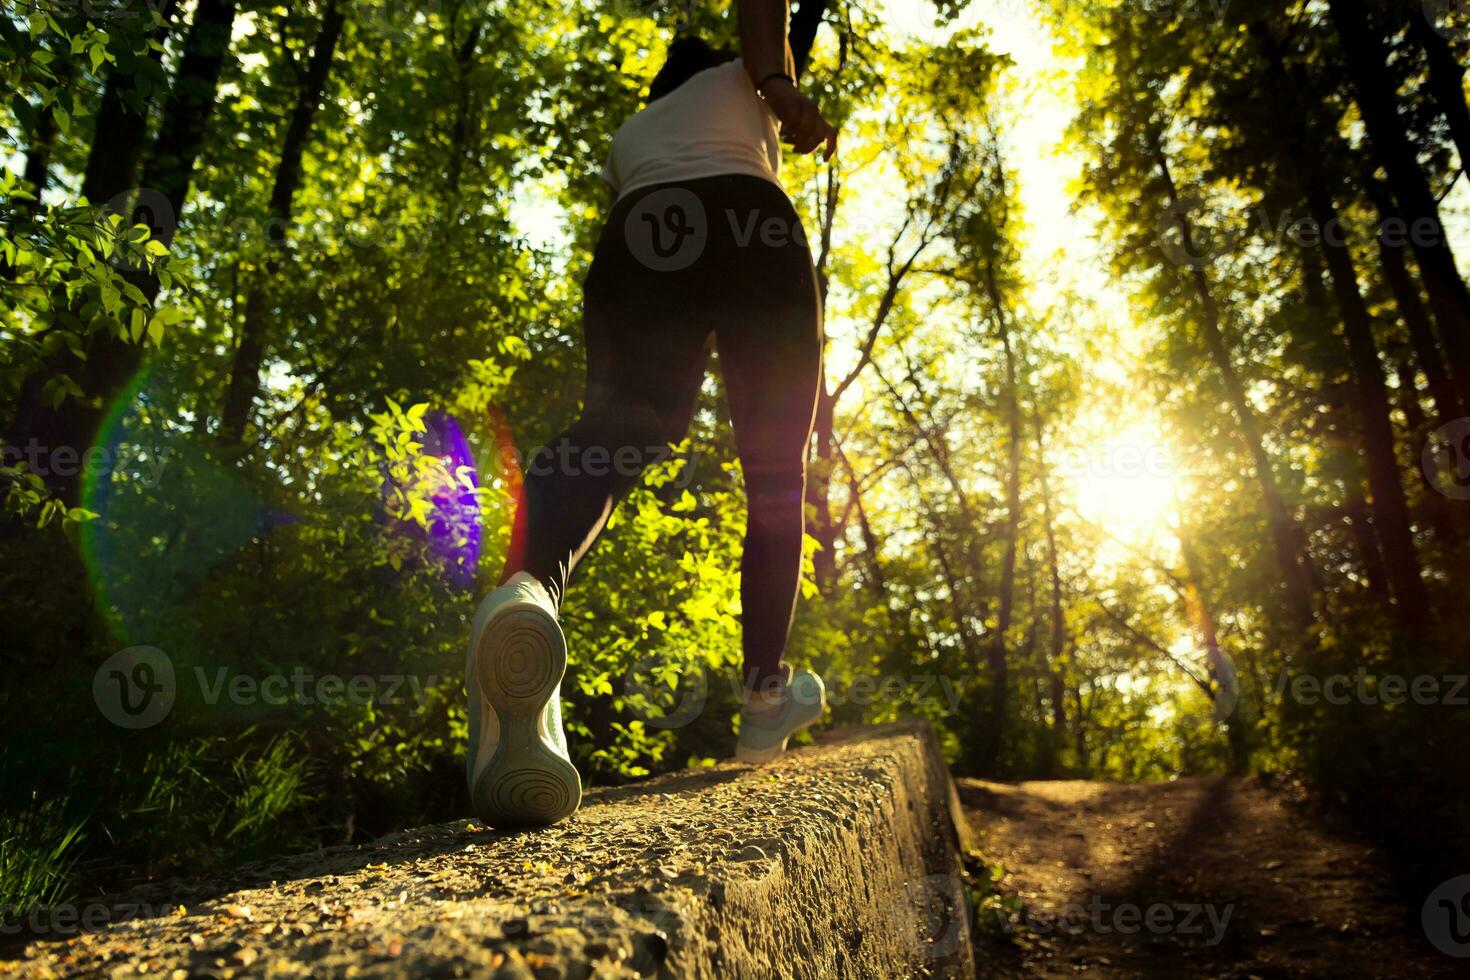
column 701, row 244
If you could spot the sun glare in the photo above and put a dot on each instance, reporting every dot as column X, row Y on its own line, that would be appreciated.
column 1125, row 485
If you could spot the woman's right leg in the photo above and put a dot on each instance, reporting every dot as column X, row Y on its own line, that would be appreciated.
column 770, row 343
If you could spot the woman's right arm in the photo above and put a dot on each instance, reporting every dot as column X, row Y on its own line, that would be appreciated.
column 763, row 25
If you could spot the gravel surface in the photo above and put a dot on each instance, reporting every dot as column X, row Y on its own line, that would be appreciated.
column 836, row 860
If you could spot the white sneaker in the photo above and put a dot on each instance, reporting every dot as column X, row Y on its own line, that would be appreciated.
column 770, row 718
column 518, row 769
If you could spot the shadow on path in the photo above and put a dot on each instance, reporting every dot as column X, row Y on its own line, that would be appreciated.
column 1203, row 877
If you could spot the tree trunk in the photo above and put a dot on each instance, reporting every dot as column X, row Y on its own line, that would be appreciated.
column 819, row 490
column 120, row 132
column 1309, row 177
column 1375, row 425
column 1446, row 79
column 819, row 472
column 250, row 351
column 803, row 32
column 994, row 729
column 1285, row 533
column 170, row 167
column 1390, row 506
column 872, row 546
column 111, row 362
column 1365, row 54
column 1058, row 730
column 1354, row 474
column 1450, row 398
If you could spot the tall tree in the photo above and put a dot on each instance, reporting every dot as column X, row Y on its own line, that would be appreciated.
column 120, row 131
column 928, row 211
column 991, row 245
column 1449, row 401
column 1057, row 634
column 1365, row 56
column 1301, row 166
column 250, row 347
column 110, row 360
column 1446, row 76
column 1284, row 531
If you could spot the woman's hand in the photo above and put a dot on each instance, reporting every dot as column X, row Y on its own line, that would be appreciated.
column 763, row 28
column 801, row 121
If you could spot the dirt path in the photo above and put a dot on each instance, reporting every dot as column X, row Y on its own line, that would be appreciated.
column 1198, row 878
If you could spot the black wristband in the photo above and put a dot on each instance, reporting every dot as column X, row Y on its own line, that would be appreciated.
column 772, row 77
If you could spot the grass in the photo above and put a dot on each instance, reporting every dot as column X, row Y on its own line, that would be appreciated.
column 38, row 855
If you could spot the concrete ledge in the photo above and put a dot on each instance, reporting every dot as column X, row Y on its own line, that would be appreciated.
column 841, row 859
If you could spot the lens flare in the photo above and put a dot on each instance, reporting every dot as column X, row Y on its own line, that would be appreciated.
column 456, row 524
column 167, row 511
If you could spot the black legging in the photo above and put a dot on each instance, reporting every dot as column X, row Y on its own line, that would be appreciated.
column 677, row 264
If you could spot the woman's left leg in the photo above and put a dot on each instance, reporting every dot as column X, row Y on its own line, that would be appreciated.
column 645, row 360
column 645, row 364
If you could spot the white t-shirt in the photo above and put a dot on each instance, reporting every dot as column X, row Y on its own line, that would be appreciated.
column 713, row 124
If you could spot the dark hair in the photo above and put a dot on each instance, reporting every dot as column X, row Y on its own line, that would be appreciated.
column 688, row 56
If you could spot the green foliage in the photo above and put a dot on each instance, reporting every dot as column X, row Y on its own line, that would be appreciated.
column 202, row 802
column 38, row 853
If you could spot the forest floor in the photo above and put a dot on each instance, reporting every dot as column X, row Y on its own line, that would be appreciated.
column 1202, row 878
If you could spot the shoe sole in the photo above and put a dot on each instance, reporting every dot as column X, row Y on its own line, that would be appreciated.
column 520, row 661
